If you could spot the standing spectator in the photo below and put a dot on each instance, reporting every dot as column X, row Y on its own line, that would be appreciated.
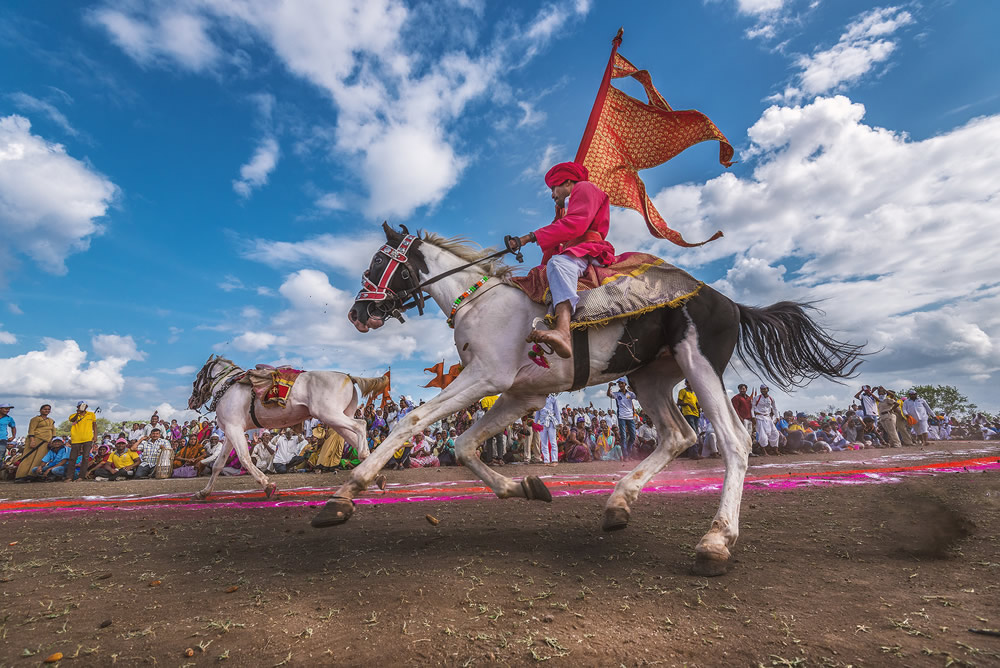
column 82, row 432
column 887, row 416
column 548, row 417
column 869, row 404
column 765, row 412
column 6, row 423
column 493, row 446
column 741, row 404
column 626, row 415
column 41, row 430
column 688, row 403
column 918, row 408
column 54, row 463
column 149, row 452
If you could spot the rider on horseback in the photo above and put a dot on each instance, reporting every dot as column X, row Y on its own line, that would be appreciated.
column 569, row 245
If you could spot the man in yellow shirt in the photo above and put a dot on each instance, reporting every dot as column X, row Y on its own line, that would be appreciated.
column 688, row 403
column 121, row 463
column 81, row 437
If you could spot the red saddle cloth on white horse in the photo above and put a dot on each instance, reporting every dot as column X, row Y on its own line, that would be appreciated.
column 271, row 384
column 634, row 284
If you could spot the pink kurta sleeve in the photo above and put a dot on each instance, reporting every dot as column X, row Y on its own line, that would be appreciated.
column 584, row 204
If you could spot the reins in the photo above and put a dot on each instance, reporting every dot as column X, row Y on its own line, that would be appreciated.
column 398, row 256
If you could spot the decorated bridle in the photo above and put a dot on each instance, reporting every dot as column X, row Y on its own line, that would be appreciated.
column 205, row 385
column 391, row 303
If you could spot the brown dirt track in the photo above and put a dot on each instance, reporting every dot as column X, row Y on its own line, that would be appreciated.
column 871, row 575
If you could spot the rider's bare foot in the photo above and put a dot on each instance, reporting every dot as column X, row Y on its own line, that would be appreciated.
column 558, row 341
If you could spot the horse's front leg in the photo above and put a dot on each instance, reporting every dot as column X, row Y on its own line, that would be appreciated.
column 217, row 467
column 507, row 409
column 467, row 388
column 243, row 452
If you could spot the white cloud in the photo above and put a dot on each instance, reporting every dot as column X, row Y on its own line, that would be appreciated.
column 863, row 45
column 117, row 347
column 230, row 283
column 250, row 313
column 396, row 107
column 330, row 202
column 14, row 308
column 346, row 255
column 28, row 103
column 548, row 158
column 254, row 174
column 185, row 370
column 531, row 115
column 7, row 337
column 314, row 328
column 885, row 230
column 61, row 370
column 49, row 201
column 176, row 36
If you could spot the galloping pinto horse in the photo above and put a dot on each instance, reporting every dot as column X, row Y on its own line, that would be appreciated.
column 327, row 395
column 655, row 350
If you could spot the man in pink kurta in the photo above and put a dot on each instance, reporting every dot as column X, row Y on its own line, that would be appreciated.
column 569, row 245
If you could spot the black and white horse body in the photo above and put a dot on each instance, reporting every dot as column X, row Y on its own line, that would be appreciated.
column 656, row 351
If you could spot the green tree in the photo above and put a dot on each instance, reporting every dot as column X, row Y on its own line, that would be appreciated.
column 945, row 398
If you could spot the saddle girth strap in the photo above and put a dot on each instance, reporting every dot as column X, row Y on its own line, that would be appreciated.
column 581, row 358
column 253, row 413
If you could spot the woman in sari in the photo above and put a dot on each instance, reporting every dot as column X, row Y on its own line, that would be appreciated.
column 605, row 447
column 204, row 432
column 421, row 455
column 576, row 450
column 187, row 457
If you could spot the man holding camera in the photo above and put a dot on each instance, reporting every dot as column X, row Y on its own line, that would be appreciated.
column 81, row 437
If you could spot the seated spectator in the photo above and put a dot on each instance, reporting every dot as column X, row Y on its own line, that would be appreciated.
column 576, row 451
column 289, row 452
column 605, row 444
column 186, row 459
column 645, row 438
column 829, row 439
column 707, row 439
column 121, row 463
column 149, row 452
column 421, row 456
column 263, row 452
column 869, row 434
column 213, row 448
column 447, row 453
column 53, row 466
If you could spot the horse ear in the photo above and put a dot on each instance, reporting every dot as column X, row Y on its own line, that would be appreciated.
column 406, row 232
column 391, row 234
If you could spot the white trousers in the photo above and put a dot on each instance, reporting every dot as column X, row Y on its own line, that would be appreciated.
column 767, row 432
column 550, row 451
column 563, row 272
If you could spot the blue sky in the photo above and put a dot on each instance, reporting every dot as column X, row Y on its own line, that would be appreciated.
column 208, row 176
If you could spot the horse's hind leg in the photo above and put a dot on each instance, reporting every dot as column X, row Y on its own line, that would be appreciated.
column 506, row 410
column 712, row 551
column 653, row 386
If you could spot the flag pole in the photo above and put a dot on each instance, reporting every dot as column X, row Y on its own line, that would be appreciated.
column 602, row 93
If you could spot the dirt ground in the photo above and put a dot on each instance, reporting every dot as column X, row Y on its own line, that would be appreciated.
column 864, row 575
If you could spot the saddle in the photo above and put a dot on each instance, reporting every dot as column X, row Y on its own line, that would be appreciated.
column 636, row 283
column 271, row 384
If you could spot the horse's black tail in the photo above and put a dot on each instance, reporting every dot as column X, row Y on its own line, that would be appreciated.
column 789, row 348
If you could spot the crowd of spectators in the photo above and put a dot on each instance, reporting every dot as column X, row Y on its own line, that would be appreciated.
column 878, row 418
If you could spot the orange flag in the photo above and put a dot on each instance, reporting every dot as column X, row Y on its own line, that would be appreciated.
column 386, row 397
column 438, row 371
column 624, row 135
column 442, row 379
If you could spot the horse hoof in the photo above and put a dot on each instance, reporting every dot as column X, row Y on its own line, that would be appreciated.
column 615, row 519
column 336, row 511
column 271, row 491
column 380, row 482
column 199, row 496
column 710, row 564
column 535, row 489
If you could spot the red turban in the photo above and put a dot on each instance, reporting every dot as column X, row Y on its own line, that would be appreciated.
column 565, row 171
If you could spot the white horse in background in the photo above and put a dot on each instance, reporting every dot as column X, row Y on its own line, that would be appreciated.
column 655, row 350
column 330, row 396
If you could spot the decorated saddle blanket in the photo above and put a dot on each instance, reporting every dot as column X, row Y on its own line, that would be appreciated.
column 271, row 385
column 635, row 284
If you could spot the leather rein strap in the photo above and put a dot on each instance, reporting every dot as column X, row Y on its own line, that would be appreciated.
column 581, row 358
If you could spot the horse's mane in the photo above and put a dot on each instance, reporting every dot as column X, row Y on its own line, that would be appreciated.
column 470, row 252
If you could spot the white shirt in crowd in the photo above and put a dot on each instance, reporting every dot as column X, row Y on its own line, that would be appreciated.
column 308, row 425
column 646, row 432
column 263, row 456
column 624, row 401
column 213, row 452
column 918, row 408
column 136, row 434
column 764, row 407
column 287, row 447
